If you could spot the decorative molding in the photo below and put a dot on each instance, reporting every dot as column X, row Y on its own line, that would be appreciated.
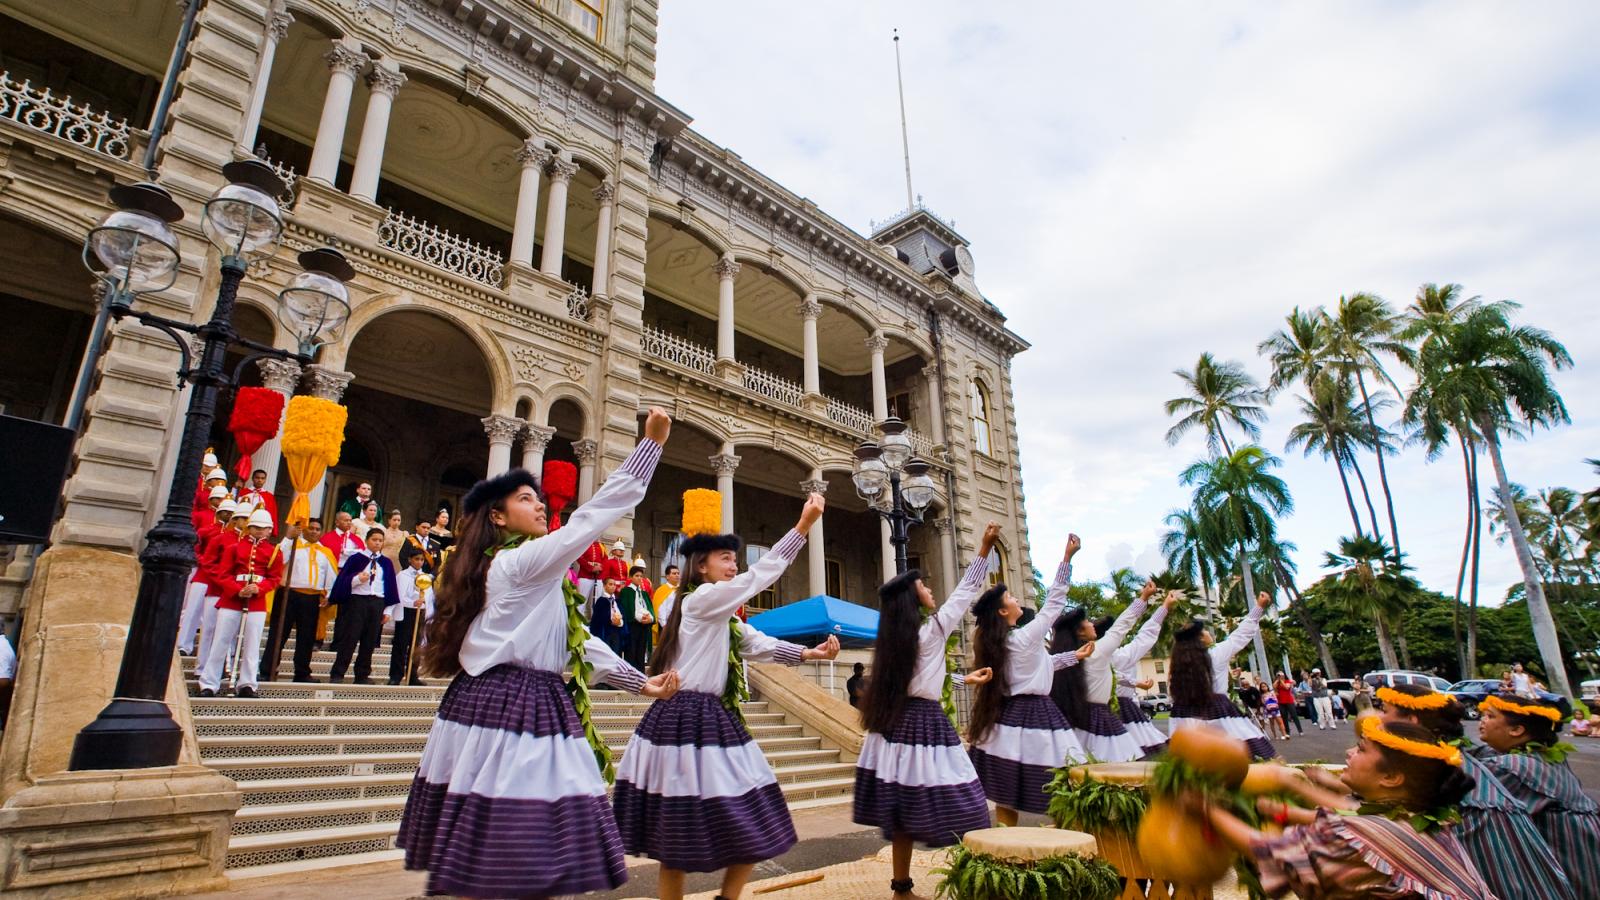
column 876, row 343
column 809, row 309
column 724, row 464
column 278, row 26
column 384, row 80
column 586, row 450
column 944, row 526
column 814, row 486
column 327, row 383
column 345, row 59
column 562, row 170
column 537, row 437
column 605, row 193
column 726, row 268
column 533, row 153
column 502, row 429
column 281, row 375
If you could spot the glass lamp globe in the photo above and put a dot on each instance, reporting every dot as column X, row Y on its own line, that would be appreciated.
column 134, row 245
column 242, row 218
column 870, row 474
column 895, row 444
column 918, row 489
column 316, row 304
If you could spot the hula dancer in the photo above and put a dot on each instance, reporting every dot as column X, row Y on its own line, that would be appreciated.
column 1495, row 830
column 1017, row 733
column 913, row 780
column 694, row 792
column 1391, row 841
column 1533, row 768
column 509, row 798
column 1200, row 680
column 1125, row 666
column 1101, row 731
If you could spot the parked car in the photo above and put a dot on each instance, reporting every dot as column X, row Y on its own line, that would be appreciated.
column 1345, row 688
column 1472, row 691
column 1154, row 703
column 1589, row 692
column 1392, row 677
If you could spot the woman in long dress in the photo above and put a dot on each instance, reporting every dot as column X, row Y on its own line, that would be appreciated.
column 1200, row 680
column 1125, row 666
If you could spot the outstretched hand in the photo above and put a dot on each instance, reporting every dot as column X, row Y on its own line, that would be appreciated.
column 979, row 676
column 991, row 536
column 1074, row 544
column 810, row 513
column 1263, row 599
column 1086, row 651
column 661, row 687
column 658, row 425
column 1149, row 589
column 828, row 649
column 1172, row 599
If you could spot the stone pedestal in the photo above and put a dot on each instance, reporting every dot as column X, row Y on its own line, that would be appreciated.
column 331, row 211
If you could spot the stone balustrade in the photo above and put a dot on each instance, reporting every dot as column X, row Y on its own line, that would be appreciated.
column 41, row 110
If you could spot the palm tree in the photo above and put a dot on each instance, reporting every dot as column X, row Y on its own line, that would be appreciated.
column 1240, row 499
column 1220, row 393
column 1334, row 427
column 1298, row 352
column 1189, row 547
column 1280, row 555
column 1370, row 583
column 1497, row 375
column 1361, row 327
column 1172, row 580
column 1591, row 512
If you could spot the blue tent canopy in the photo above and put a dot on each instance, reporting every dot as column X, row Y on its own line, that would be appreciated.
column 818, row 617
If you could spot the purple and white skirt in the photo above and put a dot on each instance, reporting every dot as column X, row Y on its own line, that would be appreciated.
column 1139, row 725
column 916, row 780
column 1106, row 738
column 1014, row 760
column 1223, row 713
column 508, row 800
column 695, row 793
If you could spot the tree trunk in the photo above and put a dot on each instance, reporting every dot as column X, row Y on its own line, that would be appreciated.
column 1401, row 642
column 1544, row 625
column 1466, row 550
column 1349, row 499
column 1366, row 496
column 1383, row 472
column 1312, row 629
column 1259, row 658
column 1477, row 555
column 1386, row 643
column 1227, row 448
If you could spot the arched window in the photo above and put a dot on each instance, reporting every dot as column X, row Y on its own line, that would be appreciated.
column 978, row 403
column 997, row 565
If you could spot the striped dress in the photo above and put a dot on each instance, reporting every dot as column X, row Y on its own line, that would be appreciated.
column 1563, row 813
column 1222, row 712
column 1125, row 666
column 1366, row 858
column 1502, row 841
column 1105, row 736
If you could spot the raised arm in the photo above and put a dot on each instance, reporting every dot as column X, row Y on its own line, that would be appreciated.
column 721, row 599
column 1147, row 636
column 758, row 646
column 1246, row 632
column 609, row 667
column 1112, row 639
column 1055, row 602
column 948, row 617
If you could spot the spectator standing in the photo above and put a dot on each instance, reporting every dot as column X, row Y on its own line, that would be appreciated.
column 1362, row 699
column 394, row 539
column 356, row 504
column 1321, row 700
column 1283, row 688
column 1270, row 712
column 606, row 622
column 1521, row 681
column 669, row 586
column 855, row 684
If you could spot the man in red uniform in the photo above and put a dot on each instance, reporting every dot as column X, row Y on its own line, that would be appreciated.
column 212, row 570
column 257, row 494
column 199, row 583
column 254, row 569
column 211, row 478
column 616, row 565
column 590, row 569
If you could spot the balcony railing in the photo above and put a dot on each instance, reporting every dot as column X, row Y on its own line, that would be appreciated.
column 435, row 246
column 578, row 303
column 852, row 417
column 75, row 123
column 286, row 172
column 773, row 387
column 678, row 351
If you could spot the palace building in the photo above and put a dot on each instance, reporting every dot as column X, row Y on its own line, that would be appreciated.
column 544, row 248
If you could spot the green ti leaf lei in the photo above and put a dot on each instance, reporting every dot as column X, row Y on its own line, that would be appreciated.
column 1554, row 754
column 952, row 661
column 736, row 691
column 1425, row 822
column 582, row 669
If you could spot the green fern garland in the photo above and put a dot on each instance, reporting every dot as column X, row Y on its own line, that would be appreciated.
column 1092, row 805
column 978, row 876
column 736, row 690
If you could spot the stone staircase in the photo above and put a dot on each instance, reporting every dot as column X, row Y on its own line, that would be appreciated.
column 324, row 769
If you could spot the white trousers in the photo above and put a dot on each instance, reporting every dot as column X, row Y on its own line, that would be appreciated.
column 189, row 624
column 227, row 631
column 208, row 625
column 1325, row 717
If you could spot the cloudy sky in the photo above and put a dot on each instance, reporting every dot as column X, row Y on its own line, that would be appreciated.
column 1163, row 179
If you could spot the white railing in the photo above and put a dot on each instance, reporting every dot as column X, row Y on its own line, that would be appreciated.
column 437, row 247
column 921, row 444
column 773, row 387
column 286, row 173
column 40, row 110
column 852, row 417
column 578, row 303
column 678, row 351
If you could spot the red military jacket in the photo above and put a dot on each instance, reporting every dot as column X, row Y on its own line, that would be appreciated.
column 592, row 562
column 614, row 568
column 213, row 566
column 251, row 562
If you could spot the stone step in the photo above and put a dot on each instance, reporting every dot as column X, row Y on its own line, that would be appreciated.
column 416, row 722
column 247, row 851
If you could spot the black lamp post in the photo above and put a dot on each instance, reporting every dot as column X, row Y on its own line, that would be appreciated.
column 135, row 252
column 879, row 465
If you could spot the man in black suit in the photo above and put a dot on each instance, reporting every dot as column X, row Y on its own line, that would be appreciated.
column 422, row 541
column 365, row 589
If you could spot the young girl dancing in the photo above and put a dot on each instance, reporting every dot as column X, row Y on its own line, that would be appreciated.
column 1017, row 733
column 913, row 781
column 1389, row 841
column 694, row 792
column 509, row 799
column 1200, row 680
column 1533, row 767
column 1125, row 666
column 1100, row 731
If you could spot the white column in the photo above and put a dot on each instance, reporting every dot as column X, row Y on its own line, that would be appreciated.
column 555, row 215
column 535, row 439
column 345, row 62
column 603, row 196
column 726, row 270
column 948, row 564
column 502, row 430
column 810, row 310
column 930, row 374
column 724, row 464
column 280, row 375
column 888, row 549
column 587, row 452
column 329, row 384
column 383, row 82
column 876, row 344
column 277, row 26
column 816, row 560
column 534, row 157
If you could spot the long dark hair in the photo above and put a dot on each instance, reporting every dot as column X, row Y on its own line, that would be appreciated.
column 1191, row 669
column 1430, row 783
column 667, row 648
column 990, row 650
column 461, row 592
column 1444, row 721
column 894, row 653
column 1068, row 688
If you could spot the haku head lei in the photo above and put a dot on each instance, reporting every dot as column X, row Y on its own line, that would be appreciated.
column 702, row 533
column 1494, row 701
column 1424, row 703
column 1372, row 729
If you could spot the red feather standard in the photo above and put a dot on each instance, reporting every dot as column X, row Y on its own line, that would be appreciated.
column 256, row 414
column 560, row 484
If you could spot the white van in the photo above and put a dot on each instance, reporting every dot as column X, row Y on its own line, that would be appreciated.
column 1589, row 693
column 1392, row 677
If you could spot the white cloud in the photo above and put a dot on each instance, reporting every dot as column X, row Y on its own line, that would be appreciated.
column 1144, row 181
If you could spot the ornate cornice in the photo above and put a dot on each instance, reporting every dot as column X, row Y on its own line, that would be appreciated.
column 386, row 81
column 586, row 450
column 281, row 375
column 502, row 429
column 726, row 268
column 724, row 463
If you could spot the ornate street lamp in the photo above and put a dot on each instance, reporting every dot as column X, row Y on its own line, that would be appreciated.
column 879, row 466
column 135, row 252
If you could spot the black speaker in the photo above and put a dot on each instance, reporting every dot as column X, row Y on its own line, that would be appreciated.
column 33, row 466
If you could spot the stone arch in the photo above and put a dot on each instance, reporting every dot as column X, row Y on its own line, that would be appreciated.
column 674, row 217
column 426, row 71
column 318, row 19
column 376, row 307
column 778, row 271
column 851, row 307
column 576, row 400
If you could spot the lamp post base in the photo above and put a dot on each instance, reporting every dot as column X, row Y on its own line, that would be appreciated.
column 128, row 734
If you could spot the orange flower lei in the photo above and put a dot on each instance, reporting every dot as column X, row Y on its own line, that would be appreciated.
column 1521, row 709
column 1430, row 701
column 1372, row 729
